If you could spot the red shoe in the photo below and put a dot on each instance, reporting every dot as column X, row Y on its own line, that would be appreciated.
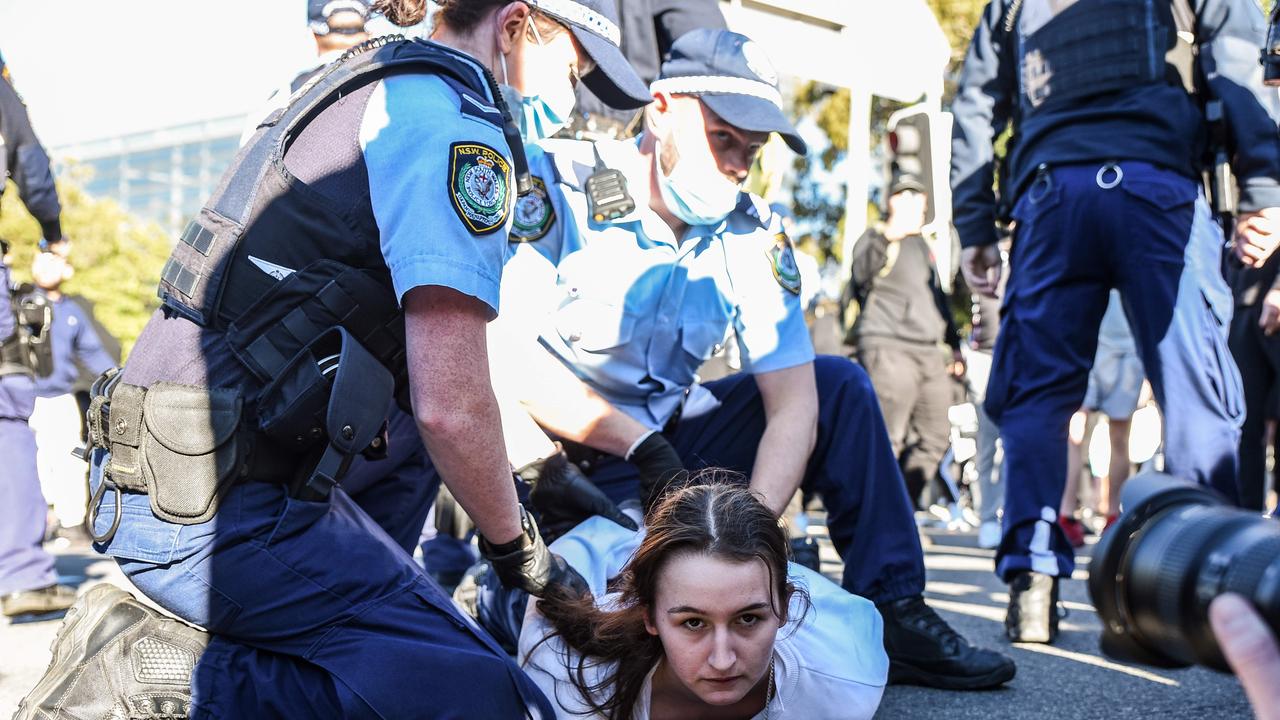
column 1073, row 529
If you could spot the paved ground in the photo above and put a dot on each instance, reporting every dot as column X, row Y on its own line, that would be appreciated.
column 1068, row 680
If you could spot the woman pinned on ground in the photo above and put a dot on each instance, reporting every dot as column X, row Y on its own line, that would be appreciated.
column 701, row 616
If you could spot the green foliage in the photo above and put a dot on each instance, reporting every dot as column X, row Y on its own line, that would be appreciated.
column 117, row 257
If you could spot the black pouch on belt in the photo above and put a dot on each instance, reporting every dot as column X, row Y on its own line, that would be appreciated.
column 332, row 398
column 181, row 445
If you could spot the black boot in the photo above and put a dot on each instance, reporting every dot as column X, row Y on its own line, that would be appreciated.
column 115, row 657
column 924, row 650
column 54, row 598
column 1033, row 608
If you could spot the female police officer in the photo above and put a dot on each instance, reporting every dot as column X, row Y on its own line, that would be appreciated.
column 328, row 273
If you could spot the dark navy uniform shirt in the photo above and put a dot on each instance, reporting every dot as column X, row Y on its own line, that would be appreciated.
column 75, row 343
column 1160, row 124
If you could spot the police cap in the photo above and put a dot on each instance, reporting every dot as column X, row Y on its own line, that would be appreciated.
column 733, row 76
column 319, row 12
column 595, row 25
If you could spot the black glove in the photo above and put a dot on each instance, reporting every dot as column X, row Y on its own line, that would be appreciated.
column 526, row 564
column 660, row 467
column 561, row 496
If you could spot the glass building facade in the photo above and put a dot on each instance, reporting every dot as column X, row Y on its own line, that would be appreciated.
column 163, row 175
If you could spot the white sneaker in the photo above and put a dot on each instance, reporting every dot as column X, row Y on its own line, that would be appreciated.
column 989, row 535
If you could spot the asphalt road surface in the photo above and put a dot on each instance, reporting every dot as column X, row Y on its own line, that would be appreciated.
column 1067, row 680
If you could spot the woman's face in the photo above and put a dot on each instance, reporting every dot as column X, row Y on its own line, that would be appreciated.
column 548, row 69
column 716, row 623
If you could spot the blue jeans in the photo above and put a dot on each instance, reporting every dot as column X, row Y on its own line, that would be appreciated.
column 1149, row 235
column 315, row 611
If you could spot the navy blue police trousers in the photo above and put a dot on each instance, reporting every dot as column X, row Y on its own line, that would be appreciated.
column 852, row 468
column 24, row 565
column 1081, row 231
column 315, row 608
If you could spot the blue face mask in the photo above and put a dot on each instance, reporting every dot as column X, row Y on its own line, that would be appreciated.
column 696, row 191
column 537, row 117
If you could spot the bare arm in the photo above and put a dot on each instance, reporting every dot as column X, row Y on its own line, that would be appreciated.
column 790, row 399
column 455, row 408
column 560, row 402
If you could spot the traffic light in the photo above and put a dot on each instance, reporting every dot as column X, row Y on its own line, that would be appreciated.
column 910, row 151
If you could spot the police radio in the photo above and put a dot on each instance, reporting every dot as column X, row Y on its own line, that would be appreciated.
column 607, row 196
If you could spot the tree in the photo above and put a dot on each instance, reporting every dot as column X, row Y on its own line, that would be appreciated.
column 117, row 257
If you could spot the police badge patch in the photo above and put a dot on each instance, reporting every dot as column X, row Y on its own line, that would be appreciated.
column 534, row 214
column 479, row 183
column 782, row 259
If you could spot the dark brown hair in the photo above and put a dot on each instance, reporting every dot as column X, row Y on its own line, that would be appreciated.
column 462, row 16
column 715, row 514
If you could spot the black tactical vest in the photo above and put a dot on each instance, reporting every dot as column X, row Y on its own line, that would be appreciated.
column 276, row 264
column 1091, row 48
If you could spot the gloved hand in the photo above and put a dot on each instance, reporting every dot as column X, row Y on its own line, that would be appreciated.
column 526, row 564
column 660, row 466
column 562, row 497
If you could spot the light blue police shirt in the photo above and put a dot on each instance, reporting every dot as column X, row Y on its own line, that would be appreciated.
column 631, row 309
column 441, row 184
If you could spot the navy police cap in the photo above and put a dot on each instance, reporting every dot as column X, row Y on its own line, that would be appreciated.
column 733, row 76
column 319, row 12
column 595, row 25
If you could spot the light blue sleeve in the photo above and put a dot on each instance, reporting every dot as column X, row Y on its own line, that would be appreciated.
column 770, row 321
column 441, row 186
column 530, row 291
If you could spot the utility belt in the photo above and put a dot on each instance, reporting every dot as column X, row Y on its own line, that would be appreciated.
column 186, row 446
column 29, row 350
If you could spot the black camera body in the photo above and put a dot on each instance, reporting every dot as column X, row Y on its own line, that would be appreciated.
column 1175, row 548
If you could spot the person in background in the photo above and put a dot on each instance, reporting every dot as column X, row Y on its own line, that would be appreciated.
column 1255, row 346
column 649, row 27
column 28, row 581
column 1103, row 177
column 981, row 346
column 905, row 316
column 337, row 26
column 56, row 420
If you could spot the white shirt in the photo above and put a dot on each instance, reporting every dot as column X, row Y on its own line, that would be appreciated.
column 830, row 664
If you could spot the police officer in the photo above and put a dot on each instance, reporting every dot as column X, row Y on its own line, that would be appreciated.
column 28, row 582
column 74, row 345
column 630, row 297
column 649, row 27
column 336, row 26
column 351, row 255
column 1101, row 181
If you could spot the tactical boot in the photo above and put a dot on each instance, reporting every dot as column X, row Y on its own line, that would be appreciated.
column 54, row 598
column 114, row 657
column 924, row 650
column 1033, row 608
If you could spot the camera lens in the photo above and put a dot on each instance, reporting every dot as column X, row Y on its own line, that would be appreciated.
column 1176, row 547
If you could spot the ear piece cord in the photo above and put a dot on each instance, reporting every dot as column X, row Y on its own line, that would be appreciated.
column 524, row 183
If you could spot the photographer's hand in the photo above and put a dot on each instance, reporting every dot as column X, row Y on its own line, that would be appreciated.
column 1251, row 650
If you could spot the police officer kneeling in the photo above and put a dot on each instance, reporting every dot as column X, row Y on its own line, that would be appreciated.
column 1101, row 179
column 616, row 305
column 351, row 255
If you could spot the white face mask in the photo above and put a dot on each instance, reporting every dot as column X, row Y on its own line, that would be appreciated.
column 696, row 191
column 541, row 115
